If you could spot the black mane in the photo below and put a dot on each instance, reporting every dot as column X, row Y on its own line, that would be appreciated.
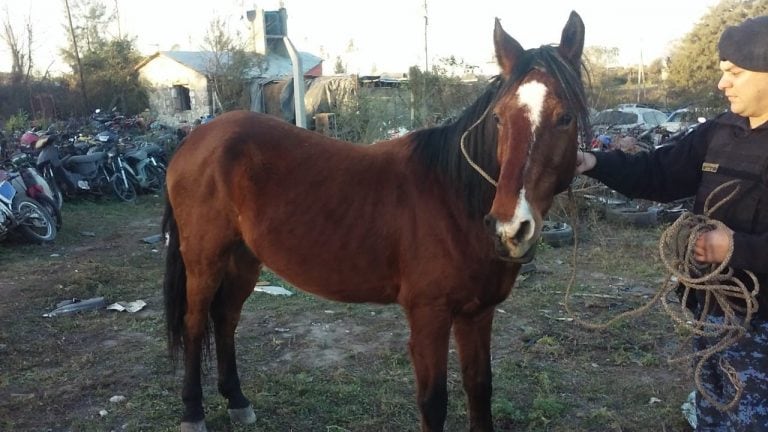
column 438, row 148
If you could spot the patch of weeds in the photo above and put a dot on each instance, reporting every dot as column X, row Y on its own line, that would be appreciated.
column 545, row 410
column 506, row 411
column 548, row 345
column 602, row 419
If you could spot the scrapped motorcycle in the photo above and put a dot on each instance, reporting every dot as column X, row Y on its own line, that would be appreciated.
column 28, row 181
column 121, row 176
column 74, row 175
column 147, row 171
column 23, row 214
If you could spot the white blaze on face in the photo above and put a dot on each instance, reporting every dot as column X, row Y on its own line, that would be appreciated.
column 509, row 231
column 519, row 231
column 531, row 95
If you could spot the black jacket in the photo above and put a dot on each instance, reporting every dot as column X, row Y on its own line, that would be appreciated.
column 716, row 152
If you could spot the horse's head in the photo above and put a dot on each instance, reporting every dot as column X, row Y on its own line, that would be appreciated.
column 538, row 112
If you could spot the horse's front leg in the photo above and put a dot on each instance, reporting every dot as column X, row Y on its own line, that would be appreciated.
column 428, row 346
column 473, row 339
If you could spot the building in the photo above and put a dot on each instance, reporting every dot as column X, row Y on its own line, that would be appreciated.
column 180, row 82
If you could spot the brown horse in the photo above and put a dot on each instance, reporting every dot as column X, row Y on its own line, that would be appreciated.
column 438, row 221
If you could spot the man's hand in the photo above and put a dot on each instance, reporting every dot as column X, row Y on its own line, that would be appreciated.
column 584, row 162
column 712, row 246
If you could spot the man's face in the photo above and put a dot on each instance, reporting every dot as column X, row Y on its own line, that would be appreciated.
column 746, row 90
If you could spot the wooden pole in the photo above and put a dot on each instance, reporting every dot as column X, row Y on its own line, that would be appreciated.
column 77, row 56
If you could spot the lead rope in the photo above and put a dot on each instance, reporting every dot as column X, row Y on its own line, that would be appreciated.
column 676, row 248
column 466, row 155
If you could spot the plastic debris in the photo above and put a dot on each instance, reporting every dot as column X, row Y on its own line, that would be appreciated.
column 272, row 289
column 654, row 400
column 689, row 409
column 76, row 305
column 153, row 239
column 129, row 307
column 103, row 413
column 118, row 399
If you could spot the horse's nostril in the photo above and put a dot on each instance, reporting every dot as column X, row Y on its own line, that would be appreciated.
column 523, row 231
column 489, row 221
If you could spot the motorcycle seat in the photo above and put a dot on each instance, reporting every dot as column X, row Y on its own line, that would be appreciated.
column 82, row 159
column 136, row 154
column 152, row 149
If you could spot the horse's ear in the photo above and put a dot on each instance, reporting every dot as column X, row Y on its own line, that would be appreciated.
column 572, row 40
column 508, row 50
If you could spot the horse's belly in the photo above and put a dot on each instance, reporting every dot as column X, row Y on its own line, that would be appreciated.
column 333, row 275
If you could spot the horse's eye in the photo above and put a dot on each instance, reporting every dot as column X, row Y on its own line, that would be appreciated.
column 564, row 120
column 496, row 118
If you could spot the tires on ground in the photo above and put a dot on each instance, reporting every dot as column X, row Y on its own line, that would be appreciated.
column 37, row 225
column 557, row 234
column 633, row 216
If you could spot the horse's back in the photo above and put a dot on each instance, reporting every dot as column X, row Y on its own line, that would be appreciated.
column 301, row 202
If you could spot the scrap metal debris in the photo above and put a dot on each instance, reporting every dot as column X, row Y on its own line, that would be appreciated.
column 76, row 305
column 272, row 289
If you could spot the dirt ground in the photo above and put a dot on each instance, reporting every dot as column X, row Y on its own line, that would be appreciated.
column 315, row 365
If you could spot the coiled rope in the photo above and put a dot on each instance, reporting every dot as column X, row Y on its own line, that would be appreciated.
column 737, row 303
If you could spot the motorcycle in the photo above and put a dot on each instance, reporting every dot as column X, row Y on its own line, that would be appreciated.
column 147, row 171
column 121, row 177
column 18, row 212
column 73, row 175
column 31, row 183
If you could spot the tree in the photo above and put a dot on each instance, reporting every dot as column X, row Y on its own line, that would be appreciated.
column 230, row 66
column 339, row 67
column 112, row 81
column 599, row 63
column 20, row 47
column 693, row 72
column 104, row 61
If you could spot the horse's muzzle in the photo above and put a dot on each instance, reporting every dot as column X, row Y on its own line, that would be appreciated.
column 519, row 247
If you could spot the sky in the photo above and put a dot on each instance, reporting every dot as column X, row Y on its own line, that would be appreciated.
column 385, row 35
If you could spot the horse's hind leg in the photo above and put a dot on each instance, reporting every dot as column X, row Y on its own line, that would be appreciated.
column 201, row 287
column 473, row 339
column 238, row 284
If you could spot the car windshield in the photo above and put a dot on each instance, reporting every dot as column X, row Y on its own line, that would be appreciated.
column 615, row 118
column 654, row 118
column 683, row 116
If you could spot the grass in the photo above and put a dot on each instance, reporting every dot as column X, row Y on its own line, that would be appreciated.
column 308, row 364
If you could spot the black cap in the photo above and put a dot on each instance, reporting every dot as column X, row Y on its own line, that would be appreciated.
column 746, row 44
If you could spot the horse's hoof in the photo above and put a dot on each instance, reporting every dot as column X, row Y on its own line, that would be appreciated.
column 242, row 415
column 193, row 427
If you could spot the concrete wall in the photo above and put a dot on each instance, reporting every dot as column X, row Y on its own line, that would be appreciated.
column 162, row 74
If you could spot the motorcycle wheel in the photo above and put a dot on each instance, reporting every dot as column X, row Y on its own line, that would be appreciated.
column 123, row 192
column 155, row 179
column 58, row 197
column 37, row 225
column 52, row 208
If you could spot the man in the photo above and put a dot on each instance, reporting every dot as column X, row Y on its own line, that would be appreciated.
column 732, row 146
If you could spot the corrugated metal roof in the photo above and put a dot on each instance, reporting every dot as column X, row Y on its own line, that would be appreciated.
column 275, row 65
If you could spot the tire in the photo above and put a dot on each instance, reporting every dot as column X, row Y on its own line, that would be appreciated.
column 634, row 216
column 37, row 224
column 58, row 197
column 557, row 234
column 155, row 179
column 123, row 192
column 52, row 209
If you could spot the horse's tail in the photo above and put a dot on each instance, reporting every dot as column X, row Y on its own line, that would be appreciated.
column 174, row 283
